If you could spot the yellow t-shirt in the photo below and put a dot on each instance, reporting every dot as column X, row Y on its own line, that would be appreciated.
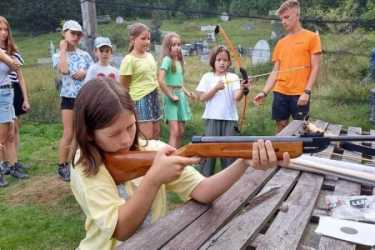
column 143, row 72
column 99, row 199
column 293, row 52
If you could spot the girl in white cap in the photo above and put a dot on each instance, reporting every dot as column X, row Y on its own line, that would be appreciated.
column 72, row 63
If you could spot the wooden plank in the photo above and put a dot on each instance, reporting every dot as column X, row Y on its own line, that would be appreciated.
column 321, row 124
column 332, row 129
column 175, row 223
column 221, row 211
column 286, row 230
column 292, row 128
column 342, row 188
column 245, row 226
column 166, row 228
column 226, row 206
column 310, row 238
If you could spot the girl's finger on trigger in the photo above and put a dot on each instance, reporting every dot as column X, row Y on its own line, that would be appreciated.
column 286, row 160
column 188, row 160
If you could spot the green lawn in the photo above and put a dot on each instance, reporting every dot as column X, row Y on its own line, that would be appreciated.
column 41, row 213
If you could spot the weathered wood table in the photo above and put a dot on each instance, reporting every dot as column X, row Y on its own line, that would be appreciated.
column 252, row 215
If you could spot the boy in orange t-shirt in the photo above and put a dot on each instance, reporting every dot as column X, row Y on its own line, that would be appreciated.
column 296, row 65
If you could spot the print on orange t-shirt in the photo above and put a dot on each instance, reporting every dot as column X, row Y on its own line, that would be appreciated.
column 293, row 52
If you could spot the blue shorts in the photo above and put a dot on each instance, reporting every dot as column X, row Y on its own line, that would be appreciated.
column 148, row 107
column 284, row 106
column 6, row 105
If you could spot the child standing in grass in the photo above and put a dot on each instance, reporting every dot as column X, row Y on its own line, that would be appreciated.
column 105, row 122
column 171, row 79
column 103, row 52
column 220, row 90
column 7, row 115
column 20, row 102
column 72, row 63
column 138, row 75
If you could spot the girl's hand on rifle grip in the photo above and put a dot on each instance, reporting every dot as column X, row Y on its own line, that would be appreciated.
column 167, row 167
column 264, row 156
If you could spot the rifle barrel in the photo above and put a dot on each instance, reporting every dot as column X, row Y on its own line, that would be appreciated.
column 361, row 138
column 213, row 139
column 306, row 139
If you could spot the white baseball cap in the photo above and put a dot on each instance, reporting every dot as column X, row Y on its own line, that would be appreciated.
column 72, row 25
column 101, row 41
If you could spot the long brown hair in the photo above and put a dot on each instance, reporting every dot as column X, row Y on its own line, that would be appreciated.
column 98, row 104
column 166, row 50
column 10, row 45
column 134, row 31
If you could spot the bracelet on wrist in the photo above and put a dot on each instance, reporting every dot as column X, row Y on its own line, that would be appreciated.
column 264, row 93
column 307, row 91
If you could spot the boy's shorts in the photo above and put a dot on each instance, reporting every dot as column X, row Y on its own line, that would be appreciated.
column 284, row 106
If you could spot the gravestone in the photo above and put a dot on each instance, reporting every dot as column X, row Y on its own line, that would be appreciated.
column 261, row 53
column 103, row 19
column 248, row 27
column 119, row 20
column 210, row 30
column 224, row 17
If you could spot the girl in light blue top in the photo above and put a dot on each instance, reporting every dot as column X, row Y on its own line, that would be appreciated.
column 72, row 63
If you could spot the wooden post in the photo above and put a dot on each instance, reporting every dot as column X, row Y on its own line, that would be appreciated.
column 88, row 9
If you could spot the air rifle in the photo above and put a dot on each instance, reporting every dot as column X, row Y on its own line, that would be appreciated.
column 128, row 165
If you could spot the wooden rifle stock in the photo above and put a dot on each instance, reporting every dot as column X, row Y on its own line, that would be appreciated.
column 124, row 166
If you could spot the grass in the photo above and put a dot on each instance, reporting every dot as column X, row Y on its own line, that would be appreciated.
column 41, row 213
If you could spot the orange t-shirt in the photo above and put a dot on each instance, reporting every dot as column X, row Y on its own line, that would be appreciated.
column 293, row 52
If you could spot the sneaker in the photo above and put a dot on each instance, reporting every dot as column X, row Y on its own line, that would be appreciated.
column 64, row 171
column 22, row 167
column 3, row 182
column 16, row 172
column 5, row 167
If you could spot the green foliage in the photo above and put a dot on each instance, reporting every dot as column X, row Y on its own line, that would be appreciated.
column 40, row 16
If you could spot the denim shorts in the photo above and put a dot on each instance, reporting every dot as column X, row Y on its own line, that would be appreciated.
column 6, row 106
column 148, row 108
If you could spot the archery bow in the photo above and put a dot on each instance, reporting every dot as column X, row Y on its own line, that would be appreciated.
column 234, row 53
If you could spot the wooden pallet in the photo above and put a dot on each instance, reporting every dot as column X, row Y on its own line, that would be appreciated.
column 248, row 217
